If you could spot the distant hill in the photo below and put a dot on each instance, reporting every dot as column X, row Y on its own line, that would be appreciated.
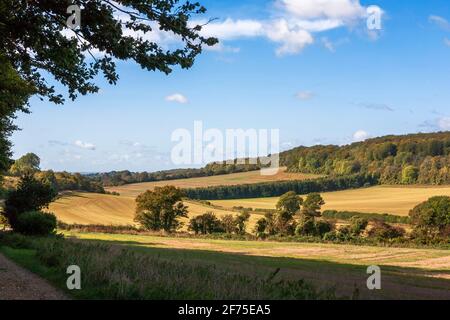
column 422, row 158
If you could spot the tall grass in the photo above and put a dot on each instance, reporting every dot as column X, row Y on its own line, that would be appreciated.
column 114, row 272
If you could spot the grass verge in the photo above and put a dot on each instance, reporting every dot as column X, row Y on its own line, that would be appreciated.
column 116, row 272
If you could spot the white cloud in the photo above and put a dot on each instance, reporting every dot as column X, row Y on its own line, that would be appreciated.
column 444, row 123
column 85, row 145
column 292, row 39
column 375, row 106
column 328, row 44
column 334, row 9
column 440, row 22
column 230, row 29
column 332, row 45
column 177, row 97
column 305, row 95
column 220, row 47
column 447, row 42
column 360, row 135
column 293, row 25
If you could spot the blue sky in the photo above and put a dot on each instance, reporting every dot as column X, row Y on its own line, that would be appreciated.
column 273, row 69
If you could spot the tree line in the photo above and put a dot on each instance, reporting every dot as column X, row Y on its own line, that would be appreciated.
column 294, row 216
column 162, row 208
column 58, row 181
column 118, row 178
column 277, row 188
column 407, row 159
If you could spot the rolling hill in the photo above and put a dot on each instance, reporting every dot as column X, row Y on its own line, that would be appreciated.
column 135, row 189
column 396, row 200
column 95, row 208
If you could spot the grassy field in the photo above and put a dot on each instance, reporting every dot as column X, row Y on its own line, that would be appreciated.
column 406, row 273
column 380, row 199
column 94, row 208
column 227, row 179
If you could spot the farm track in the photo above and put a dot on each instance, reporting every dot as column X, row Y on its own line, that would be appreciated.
column 17, row 283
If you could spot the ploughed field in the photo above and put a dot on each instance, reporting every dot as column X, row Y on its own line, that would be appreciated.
column 396, row 200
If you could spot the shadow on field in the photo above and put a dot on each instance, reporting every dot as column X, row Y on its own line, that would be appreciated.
column 396, row 282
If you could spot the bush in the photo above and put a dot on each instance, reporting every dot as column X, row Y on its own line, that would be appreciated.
column 323, row 227
column 305, row 227
column 36, row 223
column 205, row 224
column 15, row 240
column 3, row 221
column 31, row 195
column 384, row 231
column 309, row 227
column 347, row 215
column 260, row 228
column 358, row 225
column 432, row 217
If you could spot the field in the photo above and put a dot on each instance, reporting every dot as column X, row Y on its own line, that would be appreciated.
column 406, row 273
column 135, row 189
column 94, row 208
column 380, row 199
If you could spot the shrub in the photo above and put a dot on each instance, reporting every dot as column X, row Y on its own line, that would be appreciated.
column 323, row 227
column 342, row 234
column 260, row 228
column 305, row 227
column 36, row 223
column 228, row 223
column 347, row 215
column 30, row 195
column 241, row 222
column 205, row 224
column 358, row 225
column 384, row 231
column 15, row 240
column 3, row 221
column 309, row 227
column 432, row 217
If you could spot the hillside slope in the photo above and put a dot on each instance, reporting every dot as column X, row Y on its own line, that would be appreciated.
column 422, row 158
column 94, row 208
column 396, row 200
column 135, row 189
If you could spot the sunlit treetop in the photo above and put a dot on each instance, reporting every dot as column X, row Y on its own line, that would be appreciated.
column 39, row 45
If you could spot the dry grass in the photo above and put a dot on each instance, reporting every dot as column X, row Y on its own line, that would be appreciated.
column 406, row 273
column 94, row 208
column 226, row 179
column 429, row 259
column 380, row 199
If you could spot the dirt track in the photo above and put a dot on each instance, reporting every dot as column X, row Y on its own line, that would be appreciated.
column 17, row 283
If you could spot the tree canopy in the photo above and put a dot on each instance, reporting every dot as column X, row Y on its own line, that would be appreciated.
column 432, row 217
column 39, row 50
column 28, row 163
column 30, row 195
column 38, row 43
column 160, row 208
column 422, row 158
